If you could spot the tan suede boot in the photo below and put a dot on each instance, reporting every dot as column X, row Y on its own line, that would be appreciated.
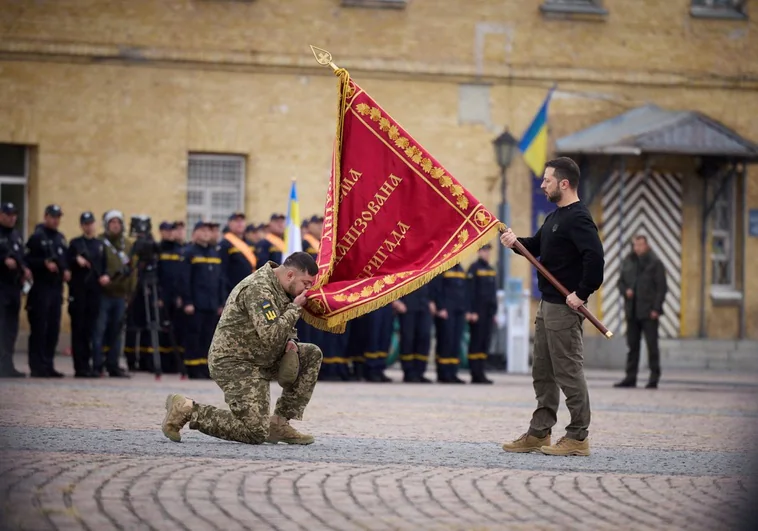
column 527, row 443
column 283, row 432
column 566, row 446
column 289, row 368
column 178, row 413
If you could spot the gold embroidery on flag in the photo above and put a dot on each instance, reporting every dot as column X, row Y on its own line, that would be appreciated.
column 414, row 153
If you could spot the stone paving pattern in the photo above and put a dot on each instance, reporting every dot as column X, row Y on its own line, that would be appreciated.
column 84, row 454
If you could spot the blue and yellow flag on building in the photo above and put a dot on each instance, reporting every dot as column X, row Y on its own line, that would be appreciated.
column 292, row 237
column 533, row 144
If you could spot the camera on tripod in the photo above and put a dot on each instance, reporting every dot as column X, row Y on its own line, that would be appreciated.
column 145, row 247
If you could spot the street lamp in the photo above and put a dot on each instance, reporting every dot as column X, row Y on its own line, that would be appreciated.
column 505, row 147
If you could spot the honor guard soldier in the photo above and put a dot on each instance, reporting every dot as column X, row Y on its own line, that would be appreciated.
column 46, row 256
column 237, row 257
column 202, row 295
column 355, row 349
column 254, row 234
column 451, row 297
column 483, row 296
column 85, row 259
column 415, row 314
column 271, row 247
column 169, row 271
column 379, row 337
column 13, row 272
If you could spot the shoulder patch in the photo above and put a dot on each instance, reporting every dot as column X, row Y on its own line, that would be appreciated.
column 268, row 311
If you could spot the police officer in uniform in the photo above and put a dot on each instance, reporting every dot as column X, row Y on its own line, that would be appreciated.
column 451, row 298
column 202, row 297
column 85, row 258
column 46, row 256
column 13, row 272
column 415, row 314
column 483, row 296
column 235, row 265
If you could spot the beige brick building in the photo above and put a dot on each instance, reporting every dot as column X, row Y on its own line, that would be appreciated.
column 123, row 105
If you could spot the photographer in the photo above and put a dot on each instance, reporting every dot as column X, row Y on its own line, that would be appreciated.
column 85, row 258
column 118, row 282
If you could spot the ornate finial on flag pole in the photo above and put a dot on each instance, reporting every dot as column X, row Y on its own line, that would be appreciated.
column 323, row 57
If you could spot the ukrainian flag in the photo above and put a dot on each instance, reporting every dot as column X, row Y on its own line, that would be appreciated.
column 533, row 144
column 292, row 237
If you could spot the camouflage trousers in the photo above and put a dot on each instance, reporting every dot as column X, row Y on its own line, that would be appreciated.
column 248, row 398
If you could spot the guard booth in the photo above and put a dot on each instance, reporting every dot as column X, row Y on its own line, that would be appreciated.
column 681, row 179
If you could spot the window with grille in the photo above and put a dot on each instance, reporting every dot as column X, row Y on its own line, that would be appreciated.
column 718, row 9
column 590, row 7
column 215, row 187
column 14, row 177
column 722, row 239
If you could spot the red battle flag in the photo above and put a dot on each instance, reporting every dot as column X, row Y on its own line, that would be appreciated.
column 394, row 218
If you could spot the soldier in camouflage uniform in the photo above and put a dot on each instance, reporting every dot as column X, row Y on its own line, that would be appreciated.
column 255, row 342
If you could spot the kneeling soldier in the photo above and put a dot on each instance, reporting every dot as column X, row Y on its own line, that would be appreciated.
column 243, row 360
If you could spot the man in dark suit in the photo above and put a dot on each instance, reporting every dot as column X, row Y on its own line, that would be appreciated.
column 642, row 283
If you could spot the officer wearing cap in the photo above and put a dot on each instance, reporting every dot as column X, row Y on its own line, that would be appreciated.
column 85, row 260
column 169, row 270
column 415, row 312
column 451, row 298
column 13, row 272
column 215, row 234
column 312, row 235
column 238, row 259
column 483, row 296
column 201, row 290
column 271, row 247
column 180, row 233
column 46, row 256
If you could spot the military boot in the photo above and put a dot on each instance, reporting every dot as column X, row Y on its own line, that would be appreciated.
column 289, row 368
column 527, row 443
column 283, row 432
column 566, row 446
column 178, row 413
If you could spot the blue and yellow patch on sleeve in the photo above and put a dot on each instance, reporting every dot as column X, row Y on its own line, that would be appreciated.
column 268, row 311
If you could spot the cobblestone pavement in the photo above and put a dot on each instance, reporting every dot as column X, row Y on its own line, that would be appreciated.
column 83, row 454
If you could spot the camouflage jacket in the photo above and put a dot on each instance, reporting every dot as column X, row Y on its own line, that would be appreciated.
column 258, row 319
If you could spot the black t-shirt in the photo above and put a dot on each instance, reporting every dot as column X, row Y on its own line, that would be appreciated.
column 569, row 247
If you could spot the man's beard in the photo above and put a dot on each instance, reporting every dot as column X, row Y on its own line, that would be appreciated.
column 555, row 197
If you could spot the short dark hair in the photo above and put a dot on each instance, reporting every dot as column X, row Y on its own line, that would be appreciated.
column 302, row 262
column 639, row 237
column 565, row 168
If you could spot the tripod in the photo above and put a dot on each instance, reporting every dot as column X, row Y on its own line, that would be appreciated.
column 152, row 324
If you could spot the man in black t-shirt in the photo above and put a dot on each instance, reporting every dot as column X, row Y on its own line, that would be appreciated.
column 569, row 247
